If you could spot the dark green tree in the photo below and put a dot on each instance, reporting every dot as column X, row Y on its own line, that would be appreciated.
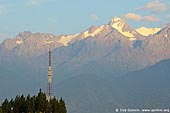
column 1, row 110
column 54, row 105
column 33, row 100
column 16, row 104
column 41, row 102
column 22, row 104
column 28, row 104
column 11, row 104
column 6, row 107
column 34, row 104
column 48, row 108
column 62, row 106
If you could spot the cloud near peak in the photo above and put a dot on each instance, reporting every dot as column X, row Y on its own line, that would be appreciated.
column 2, row 8
column 94, row 17
column 137, row 17
column 155, row 6
column 33, row 2
column 2, row 37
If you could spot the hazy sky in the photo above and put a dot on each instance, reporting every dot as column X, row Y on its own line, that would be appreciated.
column 73, row 16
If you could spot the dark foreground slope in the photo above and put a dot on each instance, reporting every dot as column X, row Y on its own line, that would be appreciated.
column 89, row 93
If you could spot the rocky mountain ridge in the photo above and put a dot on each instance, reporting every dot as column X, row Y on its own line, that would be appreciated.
column 116, row 44
column 92, row 60
column 39, row 41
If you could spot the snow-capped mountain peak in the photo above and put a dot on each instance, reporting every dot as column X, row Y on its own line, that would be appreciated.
column 147, row 31
column 119, row 24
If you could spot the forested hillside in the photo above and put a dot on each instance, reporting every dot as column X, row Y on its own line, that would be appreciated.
column 33, row 104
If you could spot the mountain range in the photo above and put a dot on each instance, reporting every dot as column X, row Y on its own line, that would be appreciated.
column 99, row 60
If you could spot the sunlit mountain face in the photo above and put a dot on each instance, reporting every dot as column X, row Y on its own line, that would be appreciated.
column 95, row 67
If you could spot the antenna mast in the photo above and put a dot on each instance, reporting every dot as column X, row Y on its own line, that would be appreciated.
column 50, row 74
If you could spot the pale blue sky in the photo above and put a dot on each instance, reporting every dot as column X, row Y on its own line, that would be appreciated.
column 73, row 16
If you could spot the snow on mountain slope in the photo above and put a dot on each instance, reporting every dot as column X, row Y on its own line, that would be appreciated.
column 19, row 41
column 38, row 41
column 118, row 24
column 93, row 31
column 147, row 31
column 66, row 39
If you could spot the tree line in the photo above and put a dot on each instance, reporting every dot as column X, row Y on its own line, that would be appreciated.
column 33, row 104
